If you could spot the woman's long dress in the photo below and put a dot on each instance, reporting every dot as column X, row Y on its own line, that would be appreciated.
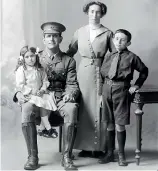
column 91, row 132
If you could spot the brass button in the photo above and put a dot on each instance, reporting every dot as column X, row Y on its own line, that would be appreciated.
column 95, row 142
column 96, row 137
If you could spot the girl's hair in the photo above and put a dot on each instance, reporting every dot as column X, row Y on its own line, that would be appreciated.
column 102, row 6
column 21, row 61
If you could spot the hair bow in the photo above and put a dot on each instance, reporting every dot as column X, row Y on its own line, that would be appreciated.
column 37, row 50
column 20, row 58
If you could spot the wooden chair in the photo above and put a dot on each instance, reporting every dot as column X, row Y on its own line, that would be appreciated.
column 60, row 139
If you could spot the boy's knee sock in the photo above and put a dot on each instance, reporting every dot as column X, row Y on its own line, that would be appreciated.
column 121, row 137
column 113, row 139
column 45, row 122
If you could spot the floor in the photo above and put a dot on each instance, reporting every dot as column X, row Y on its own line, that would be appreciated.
column 14, row 154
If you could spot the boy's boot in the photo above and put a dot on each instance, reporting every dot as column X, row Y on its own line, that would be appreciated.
column 30, row 135
column 68, row 142
column 121, row 137
column 109, row 156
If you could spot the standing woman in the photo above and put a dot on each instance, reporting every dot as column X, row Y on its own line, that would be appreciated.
column 92, row 41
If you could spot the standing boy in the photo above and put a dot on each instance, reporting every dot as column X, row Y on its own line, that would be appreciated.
column 117, row 72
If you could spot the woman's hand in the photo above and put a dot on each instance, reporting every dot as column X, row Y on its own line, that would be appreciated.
column 21, row 98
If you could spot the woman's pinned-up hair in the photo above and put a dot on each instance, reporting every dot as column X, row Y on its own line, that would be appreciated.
column 21, row 61
column 102, row 6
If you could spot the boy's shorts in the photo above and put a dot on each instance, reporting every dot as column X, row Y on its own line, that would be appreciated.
column 116, row 104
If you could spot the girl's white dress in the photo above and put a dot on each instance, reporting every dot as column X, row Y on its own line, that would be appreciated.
column 29, row 81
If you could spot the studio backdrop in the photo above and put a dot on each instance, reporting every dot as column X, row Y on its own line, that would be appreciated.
column 21, row 20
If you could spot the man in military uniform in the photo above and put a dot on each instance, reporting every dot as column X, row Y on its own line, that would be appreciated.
column 61, row 71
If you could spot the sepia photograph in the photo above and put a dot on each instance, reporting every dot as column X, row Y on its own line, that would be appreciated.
column 79, row 85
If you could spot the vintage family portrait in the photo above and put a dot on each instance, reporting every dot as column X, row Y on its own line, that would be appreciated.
column 79, row 87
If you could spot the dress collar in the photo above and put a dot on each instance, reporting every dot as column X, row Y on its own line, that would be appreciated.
column 100, row 30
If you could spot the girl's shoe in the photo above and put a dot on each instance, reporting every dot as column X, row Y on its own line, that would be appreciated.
column 40, row 132
column 51, row 133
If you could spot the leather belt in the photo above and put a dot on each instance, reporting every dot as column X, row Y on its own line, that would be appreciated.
column 113, row 82
column 94, row 61
column 56, row 85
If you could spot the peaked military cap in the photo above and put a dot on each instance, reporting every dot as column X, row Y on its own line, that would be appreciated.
column 52, row 27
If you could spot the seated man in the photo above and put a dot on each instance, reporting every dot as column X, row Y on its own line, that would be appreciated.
column 61, row 72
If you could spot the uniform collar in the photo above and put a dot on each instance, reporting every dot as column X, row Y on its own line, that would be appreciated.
column 56, row 59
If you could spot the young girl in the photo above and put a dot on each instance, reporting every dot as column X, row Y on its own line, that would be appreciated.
column 32, row 81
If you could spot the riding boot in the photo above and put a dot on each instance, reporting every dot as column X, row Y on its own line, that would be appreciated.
column 68, row 142
column 73, row 141
column 30, row 135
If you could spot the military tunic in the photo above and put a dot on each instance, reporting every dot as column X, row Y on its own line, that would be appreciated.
column 91, row 134
column 61, row 72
